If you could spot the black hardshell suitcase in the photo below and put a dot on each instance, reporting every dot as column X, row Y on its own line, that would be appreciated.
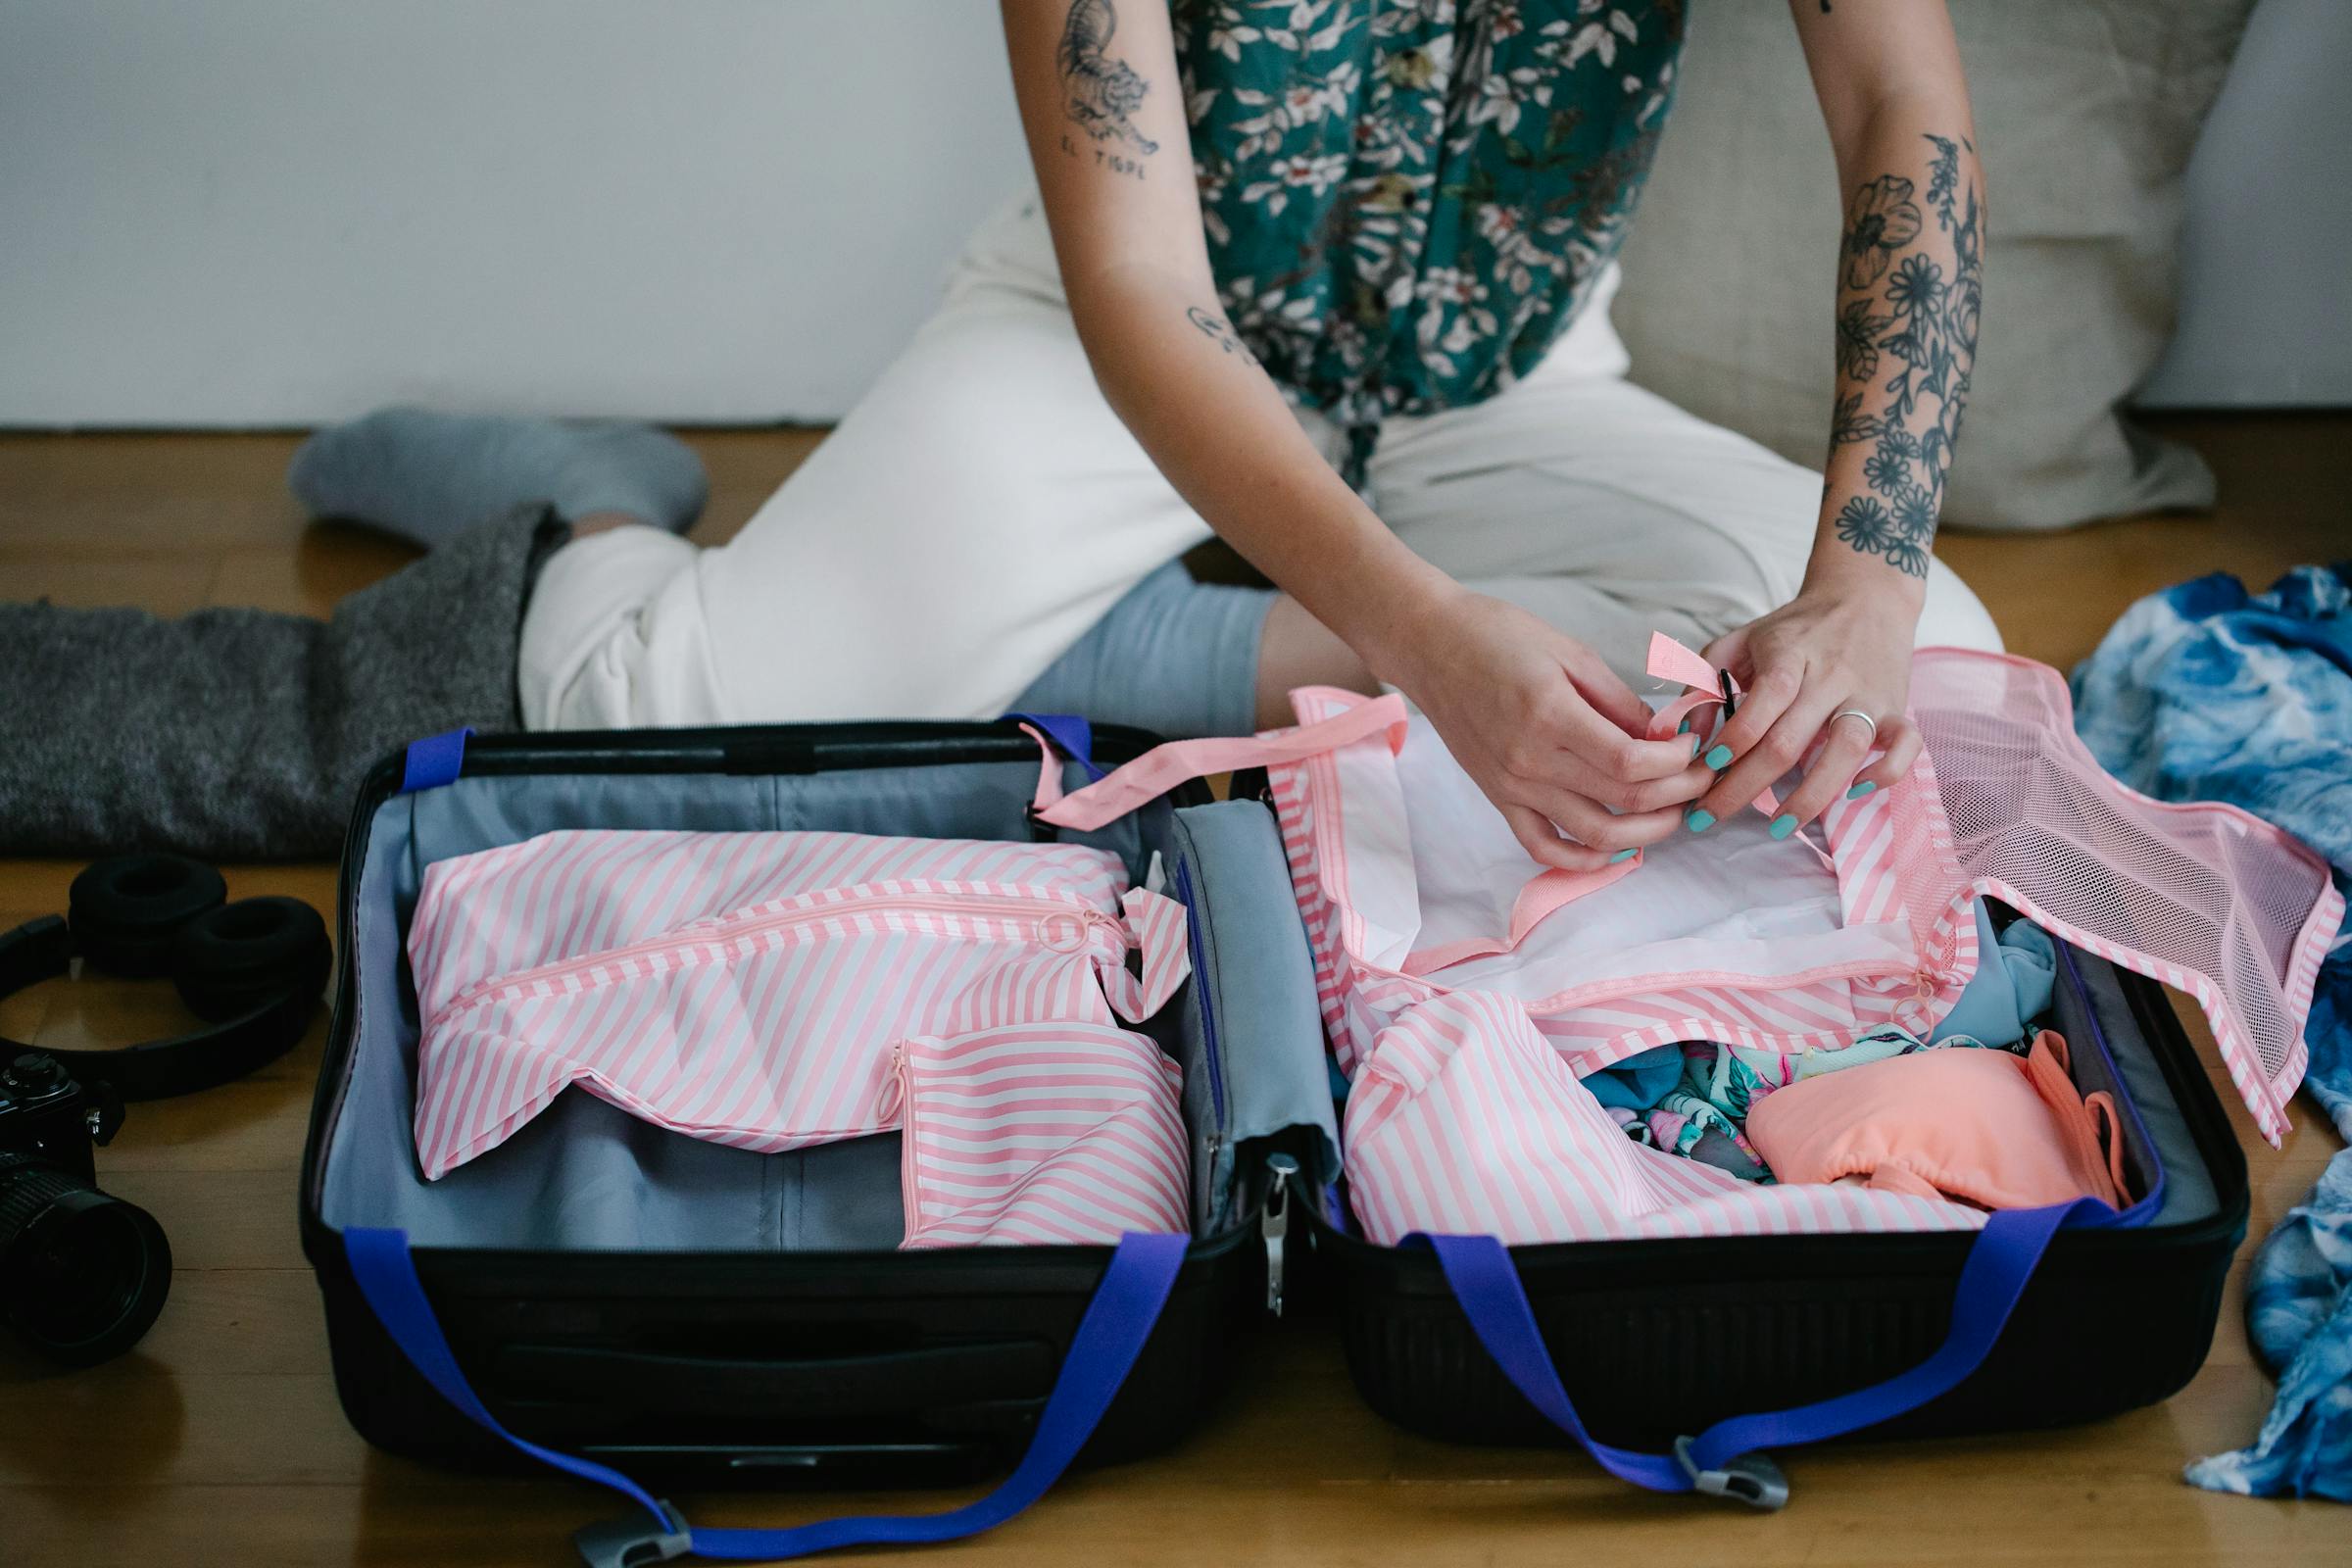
column 1654, row 1340
column 753, row 1364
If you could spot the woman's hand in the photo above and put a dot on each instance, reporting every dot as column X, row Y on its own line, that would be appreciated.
column 1552, row 737
column 1821, row 653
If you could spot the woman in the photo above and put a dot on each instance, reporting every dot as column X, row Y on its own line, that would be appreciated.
column 1331, row 285
column 1329, row 281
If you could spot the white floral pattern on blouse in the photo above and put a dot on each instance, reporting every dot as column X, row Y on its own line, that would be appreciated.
column 1405, row 199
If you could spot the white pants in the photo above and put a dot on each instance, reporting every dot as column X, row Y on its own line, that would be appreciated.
column 983, row 507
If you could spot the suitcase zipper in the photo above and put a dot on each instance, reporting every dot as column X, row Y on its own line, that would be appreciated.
column 1060, row 926
column 1211, row 1050
column 1922, row 981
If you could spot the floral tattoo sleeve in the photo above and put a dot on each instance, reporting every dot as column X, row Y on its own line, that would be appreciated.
column 1910, row 291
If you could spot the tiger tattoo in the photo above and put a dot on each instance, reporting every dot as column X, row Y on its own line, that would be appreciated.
column 1103, row 92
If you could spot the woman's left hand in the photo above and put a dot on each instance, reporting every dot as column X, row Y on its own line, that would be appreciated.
column 1815, row 657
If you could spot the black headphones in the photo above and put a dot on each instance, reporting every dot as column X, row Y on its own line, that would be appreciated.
column 253, row 971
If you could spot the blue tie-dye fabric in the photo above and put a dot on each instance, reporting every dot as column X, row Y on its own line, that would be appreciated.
column 2207, row 692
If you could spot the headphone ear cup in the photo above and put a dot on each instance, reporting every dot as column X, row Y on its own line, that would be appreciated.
column 126, row 910
column 235, row 958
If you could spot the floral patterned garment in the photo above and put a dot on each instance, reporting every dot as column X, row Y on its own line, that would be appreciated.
column 1405, row 199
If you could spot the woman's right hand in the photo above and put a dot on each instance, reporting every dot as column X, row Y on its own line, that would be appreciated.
column 1549, row 733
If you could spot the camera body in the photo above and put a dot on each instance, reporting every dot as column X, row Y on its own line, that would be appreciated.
column 46, row 1116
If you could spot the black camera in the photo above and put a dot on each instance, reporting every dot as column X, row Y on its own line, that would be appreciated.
column 82, row 1275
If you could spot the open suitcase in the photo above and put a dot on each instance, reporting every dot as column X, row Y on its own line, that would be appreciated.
column 597, row 1307
column 711, row 1315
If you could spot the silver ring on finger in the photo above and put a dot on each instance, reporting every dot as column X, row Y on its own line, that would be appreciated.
column 1856, row 713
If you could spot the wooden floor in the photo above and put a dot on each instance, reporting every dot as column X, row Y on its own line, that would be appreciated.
column 220, row 1440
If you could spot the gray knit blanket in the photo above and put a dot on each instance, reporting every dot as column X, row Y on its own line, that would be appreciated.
column 241, row 734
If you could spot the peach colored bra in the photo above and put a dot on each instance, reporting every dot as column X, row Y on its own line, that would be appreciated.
column 1987, row 1127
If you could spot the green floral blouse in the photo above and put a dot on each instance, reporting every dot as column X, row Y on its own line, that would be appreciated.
column 1405, row 199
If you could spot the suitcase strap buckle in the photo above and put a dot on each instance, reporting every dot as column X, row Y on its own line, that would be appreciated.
column 1749, row 1478
column 635, row 1542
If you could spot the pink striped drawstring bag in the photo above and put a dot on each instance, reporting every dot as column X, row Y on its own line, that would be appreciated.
column 1465, row 996
column 773, row 991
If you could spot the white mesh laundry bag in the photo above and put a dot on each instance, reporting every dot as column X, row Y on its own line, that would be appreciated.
column 1413, row 890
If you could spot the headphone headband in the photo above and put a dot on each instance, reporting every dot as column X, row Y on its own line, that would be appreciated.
column 271, row 998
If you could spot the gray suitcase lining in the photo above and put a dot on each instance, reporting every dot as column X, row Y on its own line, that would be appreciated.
column 584, row 1175
column 2104, row 1043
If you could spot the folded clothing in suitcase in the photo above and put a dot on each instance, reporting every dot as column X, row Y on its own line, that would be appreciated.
column 782, row 991
column 1463, row 1000
column 617, row 1293
column 1653, row 1340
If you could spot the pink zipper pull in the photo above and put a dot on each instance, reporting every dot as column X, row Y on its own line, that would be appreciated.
column 893, row 1089
column 1062, row 931
column 1919, row 1003
column 1070, row 930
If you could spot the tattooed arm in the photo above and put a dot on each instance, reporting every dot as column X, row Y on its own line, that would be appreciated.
column 1908, row 288
column 1537, row 718
column 1104, row 112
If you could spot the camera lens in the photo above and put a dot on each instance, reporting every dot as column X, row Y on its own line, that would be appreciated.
column 82, row 1275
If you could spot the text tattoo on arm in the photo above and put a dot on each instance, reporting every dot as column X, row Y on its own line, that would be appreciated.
column 1921, row 327
column 1103, row 94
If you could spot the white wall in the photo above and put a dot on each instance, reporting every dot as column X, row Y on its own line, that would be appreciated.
column 2266, row 264
column 278, row 212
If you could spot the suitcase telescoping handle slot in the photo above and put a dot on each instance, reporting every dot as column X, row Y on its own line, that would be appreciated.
column 886, row 1383
column 1728, row 1459
column 1110, row 1336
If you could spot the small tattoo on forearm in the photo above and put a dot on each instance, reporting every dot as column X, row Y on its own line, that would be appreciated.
column 1907, row 317
column 1104, row 93
column 1219, row 331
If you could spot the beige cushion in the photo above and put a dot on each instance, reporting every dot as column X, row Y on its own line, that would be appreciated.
column 2085, row 115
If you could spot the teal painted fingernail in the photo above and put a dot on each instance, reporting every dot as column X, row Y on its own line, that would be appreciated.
column 1623, row 854
column 1720, row 756
column 1860, row 790
column 1684, row 728
column 1695, row 744
column 1698, row 821
column 1782, row 825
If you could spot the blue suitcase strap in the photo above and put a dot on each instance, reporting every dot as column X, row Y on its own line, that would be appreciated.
column 1128, row 1301
column 434, row 760
column 1726, row 1459
column 1071, row 733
